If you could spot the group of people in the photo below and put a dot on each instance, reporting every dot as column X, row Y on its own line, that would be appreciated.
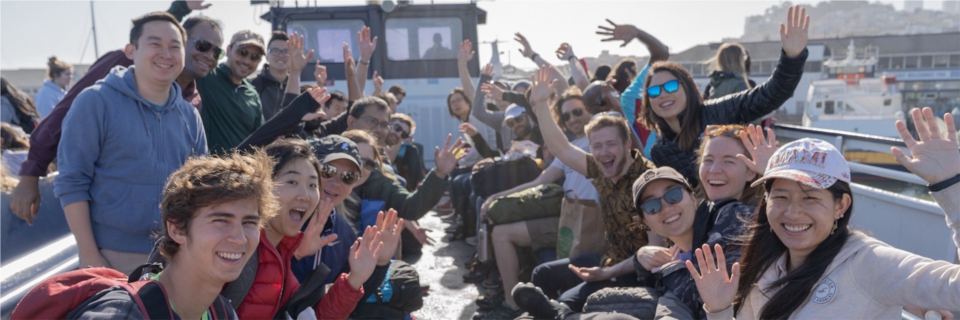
column 292, row 201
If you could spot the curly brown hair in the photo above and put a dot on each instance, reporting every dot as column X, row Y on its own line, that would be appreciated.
column 210, row 181
column 573, row 93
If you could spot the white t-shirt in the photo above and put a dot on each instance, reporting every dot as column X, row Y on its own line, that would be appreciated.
column 576, row 181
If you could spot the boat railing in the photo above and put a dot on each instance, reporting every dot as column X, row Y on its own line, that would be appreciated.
column 21, row 275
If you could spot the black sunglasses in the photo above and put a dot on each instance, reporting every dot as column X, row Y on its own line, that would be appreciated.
column 370, row 164
column 348, row 177
column 255, row 56
column 576, row 113
column 672, row 196
column 399, row 129
column 510, row 122
column 204, row 46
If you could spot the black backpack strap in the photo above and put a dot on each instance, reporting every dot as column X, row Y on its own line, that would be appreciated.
column 144, row 269
column 155, row 302
column 309, row 293
column 238, row 289
column 219, row 309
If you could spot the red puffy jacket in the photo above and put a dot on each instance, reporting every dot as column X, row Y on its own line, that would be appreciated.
column 274, row 284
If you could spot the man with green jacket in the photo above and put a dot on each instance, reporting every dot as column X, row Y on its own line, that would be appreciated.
column 231, row 108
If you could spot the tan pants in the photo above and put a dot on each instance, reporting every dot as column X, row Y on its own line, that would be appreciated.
column 124, row 262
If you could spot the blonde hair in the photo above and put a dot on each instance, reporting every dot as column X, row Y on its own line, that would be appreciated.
column 731, row 57
column 55, row 67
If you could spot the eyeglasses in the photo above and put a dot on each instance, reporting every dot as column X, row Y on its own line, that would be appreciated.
column 576, row 113
column 278, row 52
column 375, row 123
column 669, row 86
column 370, row 164
column 348, row 177
column 204, row 46
column 727, row 130
column 652, row 206
column 510, row 122
column 399, row 129
column 608, row 113
column 246, row 53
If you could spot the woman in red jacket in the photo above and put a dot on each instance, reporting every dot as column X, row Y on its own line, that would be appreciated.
column 297, row 187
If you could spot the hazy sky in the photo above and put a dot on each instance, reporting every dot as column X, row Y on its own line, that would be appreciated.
column 33, row 30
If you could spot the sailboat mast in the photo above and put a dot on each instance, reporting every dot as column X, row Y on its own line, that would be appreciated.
column 93, row 24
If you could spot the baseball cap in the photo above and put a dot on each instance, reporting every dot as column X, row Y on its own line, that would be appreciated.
column 655, row 174
column 334, row 147
column 248, row 38
column 513, row 111
column 812, row 162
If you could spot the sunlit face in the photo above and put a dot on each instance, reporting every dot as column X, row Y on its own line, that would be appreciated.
column 674, row 221
column 521, row 126
column 395, row 136
column 197, row 63
column 297, row 188
column 64, row 79
column 243, row 60
column 575, row 124
column 336, row 108
column 668, row 105
column 158, row 55
column 333, row 188
column 802, row 216
column 277, row 55
column 367, row 155
column 220, row 240
column 459, row 106
column 609, row 151
column 722, row 175
column 373, row 120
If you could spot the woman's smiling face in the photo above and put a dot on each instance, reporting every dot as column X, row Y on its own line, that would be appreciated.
column 803, row 216
column 722, row 174
column 668, row 105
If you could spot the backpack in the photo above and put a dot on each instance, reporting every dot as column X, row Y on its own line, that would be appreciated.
column 55, row 297
column 399, row 295
column 533, row 203
column 492, row 176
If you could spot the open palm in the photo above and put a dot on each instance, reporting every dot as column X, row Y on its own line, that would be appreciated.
column 619, row 32
column 390, row 228
column 367, row 46
column 760, row 149
column 934, row 158
column 312, row 241
column 717, row 289
column 466, row 51
column 526, row 51
column 793, row 35
column 447, row 158
column 541, row 86
column 363, row 254
column 298, row 60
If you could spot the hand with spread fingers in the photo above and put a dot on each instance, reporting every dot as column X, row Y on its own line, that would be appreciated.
column 468, row 129
column 320, row 96
column 488, row 70
column 527, row 52
column 565, row 52
column 492, row 91
column 934, row 158
column 541, row 87
column 466, row 51
column 447, row 158
column 760, row 149
column 619, row 32
column 390, row 227
column 298, row 60
column 363, row 257
column 717, row 287
column 367, row 46
column 793, row 35
column 312, row 241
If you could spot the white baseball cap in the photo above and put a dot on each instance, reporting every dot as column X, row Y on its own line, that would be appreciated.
column 812, row 162
column 513, row 111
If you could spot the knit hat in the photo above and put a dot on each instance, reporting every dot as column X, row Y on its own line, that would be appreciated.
column 812, row 162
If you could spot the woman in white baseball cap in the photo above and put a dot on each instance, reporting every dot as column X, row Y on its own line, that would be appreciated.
column 802, row 261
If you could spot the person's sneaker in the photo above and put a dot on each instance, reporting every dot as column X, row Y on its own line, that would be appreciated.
column 534, row 301
column 472, row 241
column 503, row 312
column 486, row 303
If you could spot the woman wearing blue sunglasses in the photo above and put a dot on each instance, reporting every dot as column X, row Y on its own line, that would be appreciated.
column 672, row 103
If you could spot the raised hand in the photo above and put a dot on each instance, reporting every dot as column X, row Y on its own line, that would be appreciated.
column 621, row 32
column 366, row 45
column 934, row 158
column 591, row 274
column 25, row 199
column 760, row 149
column 348, row 58
column 320, row 96
column 312, row 241
column 468, row 129
column 377, row 83
column 541, row 85
column 492, row 91
column 565, row 52
column 466, row 51
column 717, row 289
column 363, row 257
column 320, row 73
column 447, row 158
column 527, row 52
column 298, row 60
column 793, row 35
column 392, row 227
column 488, row 70
column 197, row 4
column 651, row 257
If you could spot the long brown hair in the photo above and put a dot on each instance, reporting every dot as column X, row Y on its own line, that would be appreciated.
column 624, row 72
column 751, row 195
column 731, row 57
column 12, row 140
column 690, row 125
column 465, row 99
column 22, row 103
column 763, row 248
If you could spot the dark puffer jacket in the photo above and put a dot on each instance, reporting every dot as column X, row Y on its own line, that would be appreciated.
column 737, row 108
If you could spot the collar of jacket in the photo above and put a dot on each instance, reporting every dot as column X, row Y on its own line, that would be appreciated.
column 224, row 71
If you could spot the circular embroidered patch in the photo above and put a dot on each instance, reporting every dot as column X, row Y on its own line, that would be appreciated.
column 824, row 292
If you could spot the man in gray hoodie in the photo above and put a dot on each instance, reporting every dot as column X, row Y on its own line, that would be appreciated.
column 121, row 140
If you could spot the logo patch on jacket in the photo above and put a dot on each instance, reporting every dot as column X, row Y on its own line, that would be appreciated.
column 824, row 292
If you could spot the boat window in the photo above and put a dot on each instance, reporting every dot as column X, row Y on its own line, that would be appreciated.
column 812, row 66
column 828, row 107
column 819, row 104
column 887, row 102
column 910, row 62
column 840, row 108
column 955, row 60
column 326, row 37
column 423, row 38
column 896, row 63
column 926, row 62
column 883, row 63
column 941, row 61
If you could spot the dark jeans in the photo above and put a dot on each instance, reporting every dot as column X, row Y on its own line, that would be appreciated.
column 553, row 277
column 460, row 193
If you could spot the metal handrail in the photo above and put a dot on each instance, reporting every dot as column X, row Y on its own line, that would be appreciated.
column 21, row 275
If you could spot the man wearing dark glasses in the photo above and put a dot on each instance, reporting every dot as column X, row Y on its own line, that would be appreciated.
column 406, row 156
column 232, row 108
column 204, row 37
column 523, row 126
